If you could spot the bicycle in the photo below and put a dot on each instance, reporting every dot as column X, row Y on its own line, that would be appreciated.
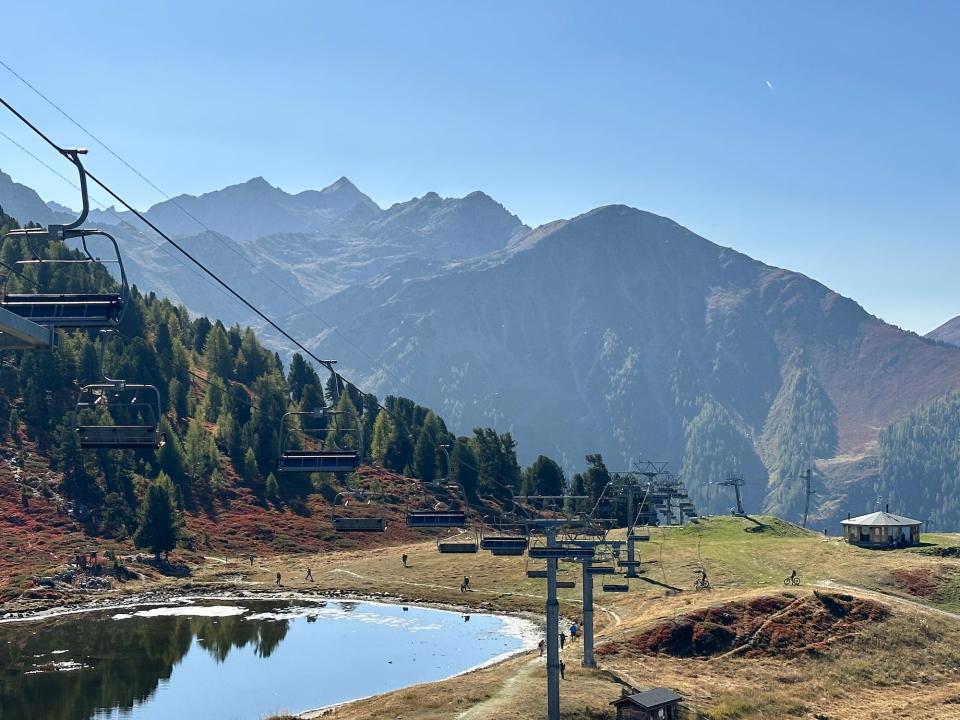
column 701, row 584
column 791, row 580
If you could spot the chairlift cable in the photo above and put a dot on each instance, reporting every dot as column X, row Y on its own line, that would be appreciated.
column 109, row 210
column 325, row 363
column 303, row 306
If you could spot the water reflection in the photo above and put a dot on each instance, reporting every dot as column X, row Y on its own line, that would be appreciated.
column 163, row 662
column 123, row 661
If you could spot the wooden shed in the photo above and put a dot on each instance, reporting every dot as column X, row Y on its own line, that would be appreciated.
column 655, row 704
column 882, row 529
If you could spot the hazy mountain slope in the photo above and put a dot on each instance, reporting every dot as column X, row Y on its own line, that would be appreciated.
column 23, row 203
column 287, row 250
column 949, row 332
column 622, row 332
column 255, row 208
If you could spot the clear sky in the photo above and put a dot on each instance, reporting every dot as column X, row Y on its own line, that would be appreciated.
column 817, row 136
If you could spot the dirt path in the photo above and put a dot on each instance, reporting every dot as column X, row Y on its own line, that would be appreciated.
column 505, row 695
column 888, row 597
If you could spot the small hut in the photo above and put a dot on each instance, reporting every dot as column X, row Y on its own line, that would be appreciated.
column 882, row 529
column 655, row 704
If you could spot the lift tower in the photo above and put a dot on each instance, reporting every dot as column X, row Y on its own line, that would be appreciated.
column 736, row 482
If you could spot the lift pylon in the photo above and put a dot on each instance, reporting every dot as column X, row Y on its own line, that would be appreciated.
column 736, row 482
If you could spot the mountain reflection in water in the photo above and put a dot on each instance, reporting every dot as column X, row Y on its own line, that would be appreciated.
column 135, row 663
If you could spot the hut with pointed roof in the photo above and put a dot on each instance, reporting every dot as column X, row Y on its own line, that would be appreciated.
column 882, row 529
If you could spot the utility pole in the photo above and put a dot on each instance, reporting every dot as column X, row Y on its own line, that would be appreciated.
column 809, row 492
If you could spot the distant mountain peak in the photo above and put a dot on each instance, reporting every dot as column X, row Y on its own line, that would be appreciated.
column 343, row 183
column 257, row 182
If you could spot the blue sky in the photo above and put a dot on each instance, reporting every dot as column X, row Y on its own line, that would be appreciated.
column 817, row 136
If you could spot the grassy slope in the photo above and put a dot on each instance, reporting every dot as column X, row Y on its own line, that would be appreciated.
column 908, row 662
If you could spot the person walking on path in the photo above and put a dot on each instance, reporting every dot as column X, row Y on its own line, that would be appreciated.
column 309, row 575
column 563, row 639
column 466, row 583
column 279, row 584
column 563, row 669
column 403, row 558
column 541, row 647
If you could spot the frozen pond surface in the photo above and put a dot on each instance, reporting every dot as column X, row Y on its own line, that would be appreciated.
column 227, row 659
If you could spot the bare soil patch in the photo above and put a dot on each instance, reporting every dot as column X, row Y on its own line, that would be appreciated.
column 782, row 625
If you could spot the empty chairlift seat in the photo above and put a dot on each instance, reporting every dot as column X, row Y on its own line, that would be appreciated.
column 121, row 437
column 307, row 449
column 510, row 545
column 359, row 524
column 134, row 412
column 366, row 514
column 78, row 310
column 464, row 542
column 318, row 461
column 615, row 586
column 436, row 518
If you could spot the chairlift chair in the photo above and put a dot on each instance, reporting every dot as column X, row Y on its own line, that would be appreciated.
column 615, row 585
column 68, row 309
column 436, row 517
column 138, row 408
column 504, row 542
column 324, row 459
column 534, row 573
column 464, row 541
column 366, row 520
column 134, row 411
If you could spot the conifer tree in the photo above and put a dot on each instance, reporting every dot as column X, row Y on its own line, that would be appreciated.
column 383, row 432
column 425, row 456
column 159, row 523
column 544, row 477
column 463, row 467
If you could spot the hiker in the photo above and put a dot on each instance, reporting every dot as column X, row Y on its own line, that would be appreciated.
column 563, row 669
column 404, row 559
column 563, row 639
column 466, row 582
column 463, row 587
column 251, row 559
column 574, row 631
column 279, row 584
column 309, row 575
column 540, row 645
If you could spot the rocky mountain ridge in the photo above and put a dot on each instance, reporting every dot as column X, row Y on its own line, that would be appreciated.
column 617, row 331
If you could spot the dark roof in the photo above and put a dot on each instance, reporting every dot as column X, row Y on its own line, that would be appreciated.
column 649, row 700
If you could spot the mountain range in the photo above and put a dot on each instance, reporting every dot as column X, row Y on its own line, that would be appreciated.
column 617, row 331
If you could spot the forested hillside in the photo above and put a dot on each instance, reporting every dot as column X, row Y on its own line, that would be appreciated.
column 920, row 465
column 620, row 332
column 223, row 398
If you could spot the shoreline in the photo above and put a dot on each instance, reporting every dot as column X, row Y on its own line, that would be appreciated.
column 528, row 626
